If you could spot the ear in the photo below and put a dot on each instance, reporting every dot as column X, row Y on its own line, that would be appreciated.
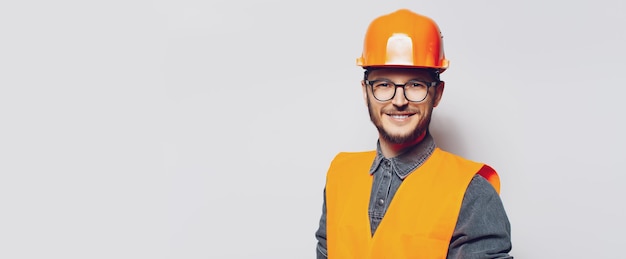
column 364, row 88
column 438, row 93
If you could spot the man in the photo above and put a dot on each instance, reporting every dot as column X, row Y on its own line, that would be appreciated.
column 444, row 206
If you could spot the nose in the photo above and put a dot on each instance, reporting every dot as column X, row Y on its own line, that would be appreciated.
column 399, row 99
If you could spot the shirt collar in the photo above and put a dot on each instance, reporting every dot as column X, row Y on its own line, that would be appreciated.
column 408, row 161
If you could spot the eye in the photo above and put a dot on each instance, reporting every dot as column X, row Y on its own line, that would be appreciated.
column 382, row 84
column 416, row 84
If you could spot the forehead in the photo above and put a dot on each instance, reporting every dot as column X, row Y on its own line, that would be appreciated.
column 400, row 73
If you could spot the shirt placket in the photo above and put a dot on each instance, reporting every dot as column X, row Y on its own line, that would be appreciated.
column 381, row 199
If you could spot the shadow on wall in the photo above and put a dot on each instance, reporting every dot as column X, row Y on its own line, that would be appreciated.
column 447, row 134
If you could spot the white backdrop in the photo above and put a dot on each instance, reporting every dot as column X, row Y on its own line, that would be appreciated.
column 203, row 129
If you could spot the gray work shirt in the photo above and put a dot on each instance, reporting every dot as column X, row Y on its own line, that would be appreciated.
column 482, row 229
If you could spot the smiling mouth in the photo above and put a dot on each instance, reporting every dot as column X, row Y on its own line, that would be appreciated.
column 400, row 116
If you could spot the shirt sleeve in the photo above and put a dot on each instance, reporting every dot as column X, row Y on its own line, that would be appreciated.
column 320, row 234
column 483, row 230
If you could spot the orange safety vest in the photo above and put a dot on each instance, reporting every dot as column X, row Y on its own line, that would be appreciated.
column 418, row 223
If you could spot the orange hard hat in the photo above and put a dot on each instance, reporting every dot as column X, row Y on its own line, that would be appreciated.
column 403, row 39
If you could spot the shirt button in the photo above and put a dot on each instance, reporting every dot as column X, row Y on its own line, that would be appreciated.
column 381, row 202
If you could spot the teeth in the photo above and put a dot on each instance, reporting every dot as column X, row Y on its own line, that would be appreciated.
column 399, row 116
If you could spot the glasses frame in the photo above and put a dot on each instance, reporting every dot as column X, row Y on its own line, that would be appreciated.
column 395, row 88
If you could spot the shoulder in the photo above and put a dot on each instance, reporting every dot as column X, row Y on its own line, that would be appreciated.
column 481, row 198
column 348, row 163
column 482, row 202
column 488, row 174
column 480, row 187
column 351, row 156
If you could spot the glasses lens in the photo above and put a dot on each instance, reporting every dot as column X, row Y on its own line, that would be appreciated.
column 383, row 90
column 415, row 91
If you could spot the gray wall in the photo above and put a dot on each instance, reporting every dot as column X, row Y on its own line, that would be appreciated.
column 195, row 129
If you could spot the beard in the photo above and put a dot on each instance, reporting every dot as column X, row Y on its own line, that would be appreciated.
column 409, row 137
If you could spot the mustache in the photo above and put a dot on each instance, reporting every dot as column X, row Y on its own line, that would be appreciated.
column 402, row 110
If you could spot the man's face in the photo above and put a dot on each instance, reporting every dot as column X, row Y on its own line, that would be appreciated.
column 398, row 120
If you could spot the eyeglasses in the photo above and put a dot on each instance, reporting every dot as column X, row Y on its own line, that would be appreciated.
column 414, row 90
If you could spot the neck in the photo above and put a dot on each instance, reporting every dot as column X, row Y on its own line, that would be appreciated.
column 394, row 149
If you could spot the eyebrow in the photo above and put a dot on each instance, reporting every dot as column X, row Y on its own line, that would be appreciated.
column 387, row 79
